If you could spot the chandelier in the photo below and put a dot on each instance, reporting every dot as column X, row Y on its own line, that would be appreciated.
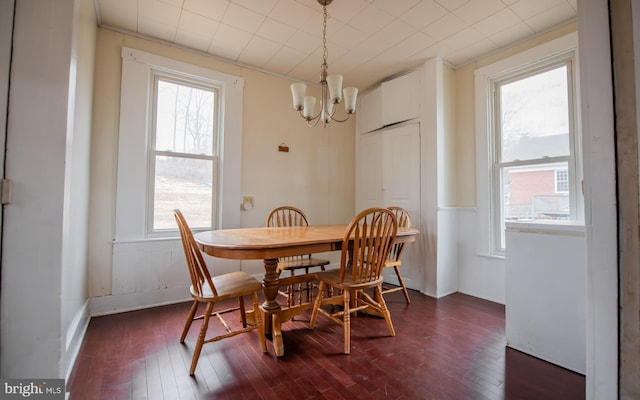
column 332, row 92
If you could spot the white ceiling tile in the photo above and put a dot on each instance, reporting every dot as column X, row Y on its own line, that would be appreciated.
column 475, row 11
column 284, row 60
column 119, row 14
column 478, row 49
column 348, row 37
column 153, row 28
column 229, row 42
column 193, row 40
column 552, row 17
column 370, row 20
column 462, row 39
column 395, row 7
column 258, row 51
column 528, row 8
column 291, row 12
column 452, row 4
column 175, row 3
column 425, row 13
column 304, row 42
column 574, row 4
column 411, row 46
column 276, row 31
column 509, row 2
column 263, row 7
column 445, row 27
column 162, row 13
column 243, row 18
column 213, row 9
column 497, row 22
column 392, row 34
column 511, row 35
column 197, row 24
column 345, row 10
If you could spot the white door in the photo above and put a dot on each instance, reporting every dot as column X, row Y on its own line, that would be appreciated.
column 401, row 187
column 369, row 172
column 388, row 174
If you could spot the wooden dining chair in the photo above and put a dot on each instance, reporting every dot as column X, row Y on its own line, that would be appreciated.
column 210, row 290
column 367, row 242
column 404, row 221
column 291, row 216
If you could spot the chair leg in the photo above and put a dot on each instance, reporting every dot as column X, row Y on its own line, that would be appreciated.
column 316, row 306
column 346, row 320
column 243, row 313
column 401, row 281
column 258, row 316
column 187, row 324
column 201, row 338
column 385, row 310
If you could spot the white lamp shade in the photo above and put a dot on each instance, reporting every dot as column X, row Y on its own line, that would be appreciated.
column 309, row 106
column 297, row 92
column 350, row 95
column 335, row 88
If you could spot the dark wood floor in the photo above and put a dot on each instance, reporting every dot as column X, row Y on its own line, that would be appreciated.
column 451, row 348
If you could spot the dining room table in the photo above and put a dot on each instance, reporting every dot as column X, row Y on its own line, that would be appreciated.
column 270, row 243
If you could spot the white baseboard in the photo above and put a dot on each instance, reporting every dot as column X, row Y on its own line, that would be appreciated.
column 75, row 336
column 114, row 304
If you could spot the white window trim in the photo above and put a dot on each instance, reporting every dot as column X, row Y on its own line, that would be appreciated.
column 131, row 196
column 484, row 141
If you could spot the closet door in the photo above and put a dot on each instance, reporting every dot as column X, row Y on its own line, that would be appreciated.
column 401, row 187
column 369, row 172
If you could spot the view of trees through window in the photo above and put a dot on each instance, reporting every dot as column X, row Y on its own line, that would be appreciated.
column 533, row 154
column 183, row 149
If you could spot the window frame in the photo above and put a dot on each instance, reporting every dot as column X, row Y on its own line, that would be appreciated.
column 568, row 60
column 131, row 210
column 180, row 79
column 562, row 46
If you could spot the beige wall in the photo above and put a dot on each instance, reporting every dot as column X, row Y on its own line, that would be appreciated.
column 465, row 114
column 317, row 174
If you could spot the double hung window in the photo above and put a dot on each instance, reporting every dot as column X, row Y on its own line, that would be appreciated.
column 534, row 148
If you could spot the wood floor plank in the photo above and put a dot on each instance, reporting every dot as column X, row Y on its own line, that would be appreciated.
column 448, row 348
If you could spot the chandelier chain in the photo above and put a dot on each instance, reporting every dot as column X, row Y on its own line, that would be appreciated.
column 324, row 36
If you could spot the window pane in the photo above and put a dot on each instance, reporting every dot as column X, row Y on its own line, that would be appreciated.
column 534, row 117
column 530, row 193
column 186, row 184
column 184, row 118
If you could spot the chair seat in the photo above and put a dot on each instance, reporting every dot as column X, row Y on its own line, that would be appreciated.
column 332, row 277
column 303, row 262
column 230, row 285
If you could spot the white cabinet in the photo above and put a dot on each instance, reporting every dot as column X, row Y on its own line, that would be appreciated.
column 401, row 100
column 369, row 114
column 411, row 164
column 393, row 101
column 388, row 174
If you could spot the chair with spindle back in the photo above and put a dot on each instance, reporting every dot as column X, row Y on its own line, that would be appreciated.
column 367, row 242
column 404, row 221
column 291, row 216
column 210, row 290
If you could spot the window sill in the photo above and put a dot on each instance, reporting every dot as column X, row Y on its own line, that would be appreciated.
column 548, row 227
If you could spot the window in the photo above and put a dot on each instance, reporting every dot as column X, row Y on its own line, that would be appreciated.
column 179, row 145
column 183, row 153
column 527, row 143
column 562, row 181
column 533, row 132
